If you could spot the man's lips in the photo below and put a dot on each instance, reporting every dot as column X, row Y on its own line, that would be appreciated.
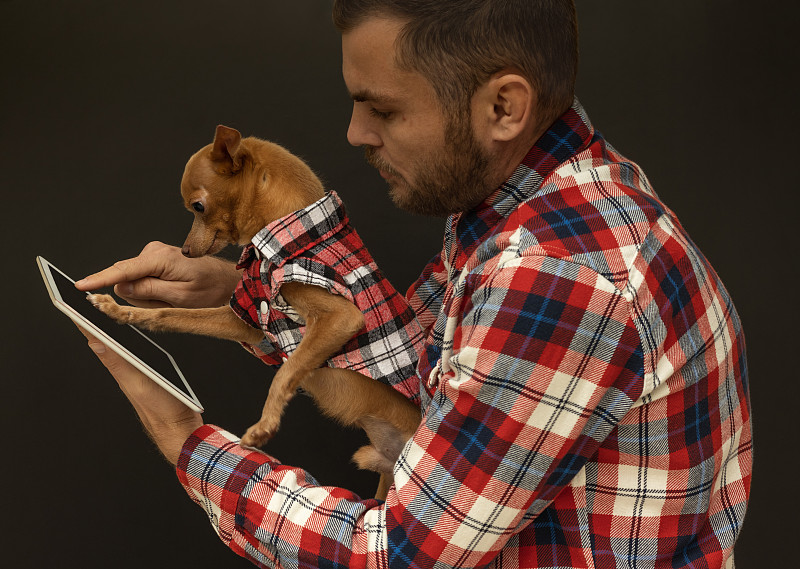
column 386, row 172
column 384, row 169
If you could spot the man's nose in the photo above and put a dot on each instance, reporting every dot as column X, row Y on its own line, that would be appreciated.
column 361, row 132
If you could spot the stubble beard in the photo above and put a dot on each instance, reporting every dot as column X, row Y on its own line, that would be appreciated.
column 454, row 179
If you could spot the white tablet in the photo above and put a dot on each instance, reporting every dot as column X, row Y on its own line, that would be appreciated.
column 128, row 341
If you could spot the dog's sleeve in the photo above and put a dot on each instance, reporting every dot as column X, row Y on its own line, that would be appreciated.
column 311, row 272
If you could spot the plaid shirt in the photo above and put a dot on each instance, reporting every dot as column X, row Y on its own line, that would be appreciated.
column 584, row 389
column 318, row 246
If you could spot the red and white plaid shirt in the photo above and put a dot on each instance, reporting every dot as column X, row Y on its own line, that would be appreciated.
column 318, row 246
column 584, row 389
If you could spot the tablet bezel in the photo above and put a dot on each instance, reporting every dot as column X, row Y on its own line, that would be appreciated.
column 187, row 397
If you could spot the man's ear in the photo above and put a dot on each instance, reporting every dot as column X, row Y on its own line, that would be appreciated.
column 227, row 147
column 505, row 104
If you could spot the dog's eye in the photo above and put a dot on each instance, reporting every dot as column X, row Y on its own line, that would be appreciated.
column 198, row 207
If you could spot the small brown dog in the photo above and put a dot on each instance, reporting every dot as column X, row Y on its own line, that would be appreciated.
column 236, row 187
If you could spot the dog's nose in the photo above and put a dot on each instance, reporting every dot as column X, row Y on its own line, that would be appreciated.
column 186, row 251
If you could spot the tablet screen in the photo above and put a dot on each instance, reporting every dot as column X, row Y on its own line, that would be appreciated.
column 133, row 340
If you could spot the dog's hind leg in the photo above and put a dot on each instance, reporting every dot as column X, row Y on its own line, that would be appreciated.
column 388, row 418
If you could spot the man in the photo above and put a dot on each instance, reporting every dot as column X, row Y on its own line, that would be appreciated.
column 583, row 382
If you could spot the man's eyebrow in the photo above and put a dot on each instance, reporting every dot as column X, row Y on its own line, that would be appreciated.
column 366, row 95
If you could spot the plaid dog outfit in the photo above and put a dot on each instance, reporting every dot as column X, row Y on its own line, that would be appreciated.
column 584, row 388
column 317, row 246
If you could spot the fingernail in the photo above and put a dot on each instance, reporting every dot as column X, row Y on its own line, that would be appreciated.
column 98, row 347
column 80, row 282
column 125, row 288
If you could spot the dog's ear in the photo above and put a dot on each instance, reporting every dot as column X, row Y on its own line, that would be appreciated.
column 227, row 147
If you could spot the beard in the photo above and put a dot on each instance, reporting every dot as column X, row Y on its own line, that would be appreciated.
column 452, row 179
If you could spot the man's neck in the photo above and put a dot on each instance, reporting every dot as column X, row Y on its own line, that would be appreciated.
column 510, row 155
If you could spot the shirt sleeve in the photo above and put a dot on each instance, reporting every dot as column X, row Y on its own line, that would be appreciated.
column 276, row 515
column 544, row 364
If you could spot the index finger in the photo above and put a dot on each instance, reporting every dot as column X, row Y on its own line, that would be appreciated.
column 120, row 272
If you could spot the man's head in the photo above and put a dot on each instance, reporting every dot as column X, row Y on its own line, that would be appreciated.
column 449, row 94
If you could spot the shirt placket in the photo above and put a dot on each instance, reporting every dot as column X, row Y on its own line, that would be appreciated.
column 446, row 320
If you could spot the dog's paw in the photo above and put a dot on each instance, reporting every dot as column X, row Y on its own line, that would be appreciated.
column 107, row 305
column 258, row 435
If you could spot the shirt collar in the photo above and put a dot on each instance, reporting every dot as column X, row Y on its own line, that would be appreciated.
column 290, row 236
column 567, row 136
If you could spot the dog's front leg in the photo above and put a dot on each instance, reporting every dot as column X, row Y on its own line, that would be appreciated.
column 331, row 321
column 220, row 322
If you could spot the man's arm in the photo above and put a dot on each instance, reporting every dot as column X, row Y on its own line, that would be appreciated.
column 544, row 365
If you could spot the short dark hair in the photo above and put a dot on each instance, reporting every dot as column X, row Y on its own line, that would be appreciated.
column 457, row 45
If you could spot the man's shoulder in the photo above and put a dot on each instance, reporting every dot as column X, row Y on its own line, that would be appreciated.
column 595, row 209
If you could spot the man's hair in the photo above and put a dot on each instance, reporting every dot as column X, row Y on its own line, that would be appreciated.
column 457, row 45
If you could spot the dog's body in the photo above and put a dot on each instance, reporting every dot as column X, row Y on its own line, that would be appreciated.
column 236, row 188
column 317, row 245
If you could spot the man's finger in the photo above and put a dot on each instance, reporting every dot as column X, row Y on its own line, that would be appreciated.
column 148, row 292
column 128, row 270
column 149, row 263
column 112, row 361
column 96, row 345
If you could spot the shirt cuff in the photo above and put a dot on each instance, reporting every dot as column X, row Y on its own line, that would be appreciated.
column 266, row 352
column 214, row 469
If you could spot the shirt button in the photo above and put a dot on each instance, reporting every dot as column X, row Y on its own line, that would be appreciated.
column 264, row 308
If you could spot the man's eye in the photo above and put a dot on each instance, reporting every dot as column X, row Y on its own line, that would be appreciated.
column 383, row 115
column 198, row 207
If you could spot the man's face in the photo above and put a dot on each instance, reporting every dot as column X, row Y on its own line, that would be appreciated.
column 433, row 164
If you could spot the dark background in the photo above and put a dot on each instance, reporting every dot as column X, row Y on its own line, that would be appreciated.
column 101, row 103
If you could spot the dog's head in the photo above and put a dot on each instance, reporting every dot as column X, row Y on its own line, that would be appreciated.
column 235, row 187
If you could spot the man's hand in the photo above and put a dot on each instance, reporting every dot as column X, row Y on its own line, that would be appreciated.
column 168, row 421
column 161, row 276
